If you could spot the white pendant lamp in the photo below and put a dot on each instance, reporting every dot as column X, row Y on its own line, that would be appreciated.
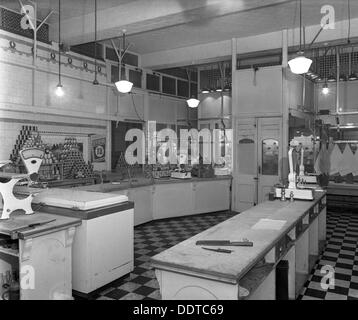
column 300, row 64
column 193, row 102
column 124, row 86
column 325, row 89
column 59, row 88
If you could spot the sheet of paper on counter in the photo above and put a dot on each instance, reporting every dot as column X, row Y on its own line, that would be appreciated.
column 269, row 224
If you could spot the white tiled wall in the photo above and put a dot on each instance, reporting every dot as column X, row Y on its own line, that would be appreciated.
column 26, row 96
column 83, row 102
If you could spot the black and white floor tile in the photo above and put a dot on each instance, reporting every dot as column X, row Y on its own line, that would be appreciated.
column 341, row 252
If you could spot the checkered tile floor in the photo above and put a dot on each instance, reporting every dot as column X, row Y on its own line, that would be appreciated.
column 341, row 252
column 150, row 239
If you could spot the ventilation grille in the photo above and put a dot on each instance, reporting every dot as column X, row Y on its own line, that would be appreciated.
column 327, row 65
column 11, row 21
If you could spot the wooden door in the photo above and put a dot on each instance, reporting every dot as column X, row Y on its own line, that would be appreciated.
column 245, row 172
column 269, row 151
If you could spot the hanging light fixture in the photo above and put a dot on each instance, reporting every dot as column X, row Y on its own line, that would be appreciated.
column 227, row 87
column 123, row 85
column 59, row 88
column 193, row 102
column 300, row 64
column 325, row 89
column 205, row 90
column 95, row 81
column 342, row 77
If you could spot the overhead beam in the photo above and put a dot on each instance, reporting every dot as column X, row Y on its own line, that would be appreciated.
column 140, row 16
column 217, row 51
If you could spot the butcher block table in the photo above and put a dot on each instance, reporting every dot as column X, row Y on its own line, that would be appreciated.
column 292, row 231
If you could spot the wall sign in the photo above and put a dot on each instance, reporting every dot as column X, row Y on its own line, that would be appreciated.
column 98, row 148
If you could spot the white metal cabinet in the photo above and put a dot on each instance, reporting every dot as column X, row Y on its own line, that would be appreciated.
column 143, row 204
column 172, row 200
column 211, row 196
column 103, row 245
column 109, row 250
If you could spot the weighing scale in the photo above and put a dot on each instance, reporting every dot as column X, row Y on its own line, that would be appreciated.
column 180, row 172
column 32, row 159
column 294, row 188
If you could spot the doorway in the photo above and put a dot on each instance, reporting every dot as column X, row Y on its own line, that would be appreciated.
column 258, row 152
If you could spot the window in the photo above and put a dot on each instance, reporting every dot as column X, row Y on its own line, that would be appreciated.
column 270, row 153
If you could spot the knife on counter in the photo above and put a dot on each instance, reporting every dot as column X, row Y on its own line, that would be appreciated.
column 218, row 250
column 227, row 243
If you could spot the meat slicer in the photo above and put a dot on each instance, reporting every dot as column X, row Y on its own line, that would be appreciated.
column 32, row 159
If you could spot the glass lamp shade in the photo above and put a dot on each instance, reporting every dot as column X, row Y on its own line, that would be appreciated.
column 193, row 103
column 300, row 64
column 59, row 90
column 325, row 89
column 331, row 78
column 124, row 86
column 353, row 77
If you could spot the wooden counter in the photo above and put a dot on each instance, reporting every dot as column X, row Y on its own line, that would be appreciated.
column 186, row 271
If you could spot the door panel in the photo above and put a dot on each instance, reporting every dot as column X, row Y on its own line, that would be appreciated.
column 258, row 151
column 269, row 155
column 245, row 189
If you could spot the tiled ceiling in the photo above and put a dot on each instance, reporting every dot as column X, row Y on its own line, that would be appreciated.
column 193, row 26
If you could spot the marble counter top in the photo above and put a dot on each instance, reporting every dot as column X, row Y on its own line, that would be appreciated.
column 188, row 258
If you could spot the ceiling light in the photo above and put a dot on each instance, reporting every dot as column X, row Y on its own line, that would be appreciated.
column 227, row 88
column 124, row 86
column 205, row 90
column 331, row 78
column 300, row 64
column 59, row 90
column 325, row 89
column 353, row 77
column 193, row 102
